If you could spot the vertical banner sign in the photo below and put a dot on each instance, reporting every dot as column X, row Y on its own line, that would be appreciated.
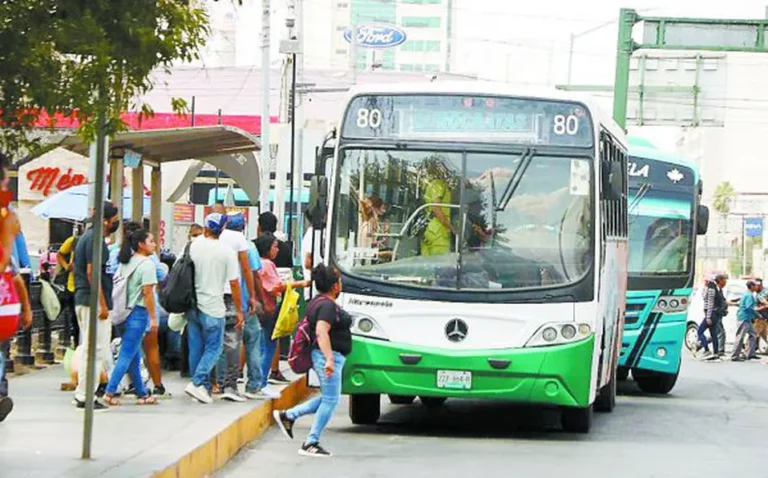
column 753, row 227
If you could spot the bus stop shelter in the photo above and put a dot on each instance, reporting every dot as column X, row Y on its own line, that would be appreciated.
column 229, row 149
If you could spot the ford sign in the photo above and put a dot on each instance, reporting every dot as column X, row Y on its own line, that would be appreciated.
column 377, row 36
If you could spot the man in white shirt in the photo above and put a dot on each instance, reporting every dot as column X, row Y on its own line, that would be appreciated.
column 228, row 370
column 215, row 266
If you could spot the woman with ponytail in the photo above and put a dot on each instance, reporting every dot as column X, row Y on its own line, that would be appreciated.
column 152, row 339
column 139, row 271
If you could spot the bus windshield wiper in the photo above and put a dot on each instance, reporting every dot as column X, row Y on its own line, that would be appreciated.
column 517, row 176
column 644, row 188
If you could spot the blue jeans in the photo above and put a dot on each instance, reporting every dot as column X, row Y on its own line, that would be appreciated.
column 129, row 360
column 252, row 340
column 206, row 339
column 3, row 380
column 712, row 333
column 324, row 405
column 268, row 347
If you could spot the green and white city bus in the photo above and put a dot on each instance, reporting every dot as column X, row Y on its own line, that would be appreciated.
column 481, row 233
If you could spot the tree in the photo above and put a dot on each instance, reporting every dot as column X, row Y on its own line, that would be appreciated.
column 76, row 58
column 724, row 194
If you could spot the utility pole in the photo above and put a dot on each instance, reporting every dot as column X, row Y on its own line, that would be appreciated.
column 353, row 53
column 265, row 154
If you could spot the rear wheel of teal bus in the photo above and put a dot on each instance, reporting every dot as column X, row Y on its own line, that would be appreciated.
column 364, row 409
column 654, row 382
column 577, row 420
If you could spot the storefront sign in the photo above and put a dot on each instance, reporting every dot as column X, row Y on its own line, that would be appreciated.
column 184, row 213
column 47, row 179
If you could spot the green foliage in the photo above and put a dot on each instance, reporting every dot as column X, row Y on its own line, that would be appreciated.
column 79, row 57
column 724, row 194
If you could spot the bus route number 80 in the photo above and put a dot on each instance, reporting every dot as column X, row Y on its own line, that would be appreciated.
column 368, row 118
column 566, row 125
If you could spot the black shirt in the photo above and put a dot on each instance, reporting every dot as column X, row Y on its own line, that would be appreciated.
column 341, row 321
column 83, row 257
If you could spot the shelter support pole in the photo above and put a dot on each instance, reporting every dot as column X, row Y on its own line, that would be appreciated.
column 116, row 180
column 137, row 194
column 155, row 215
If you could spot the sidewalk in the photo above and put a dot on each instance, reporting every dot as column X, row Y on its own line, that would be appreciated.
column 178, row 437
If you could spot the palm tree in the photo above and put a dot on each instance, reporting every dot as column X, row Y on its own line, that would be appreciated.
column 724, row 194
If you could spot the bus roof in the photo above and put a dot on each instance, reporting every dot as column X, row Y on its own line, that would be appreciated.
column 492, row 88
column 656, row 155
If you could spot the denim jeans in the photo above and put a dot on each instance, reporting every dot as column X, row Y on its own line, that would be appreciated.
column 268, row 347
column 324, row 405
column 252, row 340
column 206, row 337
column 3, row 380
column 129, row 359
column 712, row 333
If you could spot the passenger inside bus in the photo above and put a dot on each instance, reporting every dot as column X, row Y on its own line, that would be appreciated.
column 439, row 231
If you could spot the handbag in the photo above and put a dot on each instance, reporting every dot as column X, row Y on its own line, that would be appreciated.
column 10, row 307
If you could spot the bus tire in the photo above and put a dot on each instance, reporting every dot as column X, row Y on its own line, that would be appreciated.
column 622, row 374
column 432, row 402
column 402, row 399
column 606, row 399
column 577, row 420
column 655, row 382
column 364, row 409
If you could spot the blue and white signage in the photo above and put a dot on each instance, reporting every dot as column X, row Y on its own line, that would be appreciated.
column 377, row 36
column 753, row 226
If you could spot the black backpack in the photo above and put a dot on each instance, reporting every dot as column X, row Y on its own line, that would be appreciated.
column 178, row 295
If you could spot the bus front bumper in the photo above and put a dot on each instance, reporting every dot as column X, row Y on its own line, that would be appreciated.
column 661, row 352
column 557, row 375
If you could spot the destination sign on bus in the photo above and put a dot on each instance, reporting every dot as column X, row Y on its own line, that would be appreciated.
column 661, row 175
column 471, row 118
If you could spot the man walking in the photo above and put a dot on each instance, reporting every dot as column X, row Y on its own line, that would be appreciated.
column 83, row 270
column 715, row 308
column 229, row 363
column 215, row 265
column 748, row 312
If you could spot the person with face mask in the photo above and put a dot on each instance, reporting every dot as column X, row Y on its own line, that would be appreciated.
column 83, row 268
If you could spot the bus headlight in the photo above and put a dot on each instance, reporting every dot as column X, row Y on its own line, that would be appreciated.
column 366, row 326
column 558, row 333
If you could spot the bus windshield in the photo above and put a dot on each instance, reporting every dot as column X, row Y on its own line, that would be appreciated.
column 463, row 220
column 660, row 232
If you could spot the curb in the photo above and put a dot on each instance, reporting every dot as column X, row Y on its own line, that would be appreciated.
column 213, row 455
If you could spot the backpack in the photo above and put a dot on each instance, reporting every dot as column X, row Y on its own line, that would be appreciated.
column 300, row 353
column 120, row 310
column 178, row 294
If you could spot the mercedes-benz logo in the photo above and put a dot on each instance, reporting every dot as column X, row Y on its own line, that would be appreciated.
column 456, row 330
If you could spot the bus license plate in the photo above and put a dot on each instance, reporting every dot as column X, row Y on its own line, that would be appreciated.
column 454, row 380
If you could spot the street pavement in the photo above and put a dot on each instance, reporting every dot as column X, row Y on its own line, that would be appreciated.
column 712, row 424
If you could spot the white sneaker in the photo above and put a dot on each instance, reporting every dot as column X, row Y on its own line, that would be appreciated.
column 270, row 392
column 198, row 393
column 232, row 395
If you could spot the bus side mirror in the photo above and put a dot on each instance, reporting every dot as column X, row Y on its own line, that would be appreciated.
column 615, row 183
column 317, row 209
column 702, row 220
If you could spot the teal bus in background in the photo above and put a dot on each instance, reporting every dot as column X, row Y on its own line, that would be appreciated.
column 665, row 217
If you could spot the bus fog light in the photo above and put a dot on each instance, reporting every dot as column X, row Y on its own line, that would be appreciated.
column 585, row 329
column 568, row 332
column 661, row 352
column 674, row 303
column 365, row 325
column 549, row 334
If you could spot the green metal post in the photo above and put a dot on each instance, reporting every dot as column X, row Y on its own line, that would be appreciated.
column 624, row 51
